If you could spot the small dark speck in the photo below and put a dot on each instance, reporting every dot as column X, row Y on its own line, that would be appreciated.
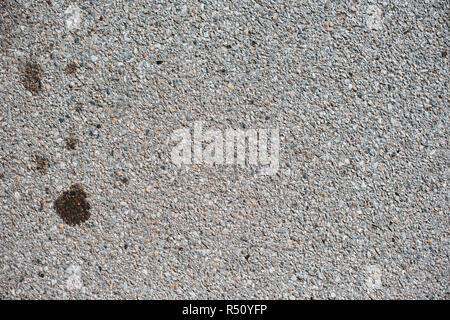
column 159, row 62
column 444, row 54
column 77, row 40
column 99, row 126
column 41, row 274
column 267, row 117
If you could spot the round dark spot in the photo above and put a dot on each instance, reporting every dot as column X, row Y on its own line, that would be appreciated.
column 71, row 143
column 32, row 77
column 73, row 206
column 41, row 163
column 71, row 68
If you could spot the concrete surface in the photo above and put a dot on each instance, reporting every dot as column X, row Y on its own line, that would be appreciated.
column 91, row 92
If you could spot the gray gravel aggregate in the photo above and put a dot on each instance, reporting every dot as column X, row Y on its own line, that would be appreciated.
column 359, row 206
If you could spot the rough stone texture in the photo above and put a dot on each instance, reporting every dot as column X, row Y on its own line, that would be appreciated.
column 359, row 90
